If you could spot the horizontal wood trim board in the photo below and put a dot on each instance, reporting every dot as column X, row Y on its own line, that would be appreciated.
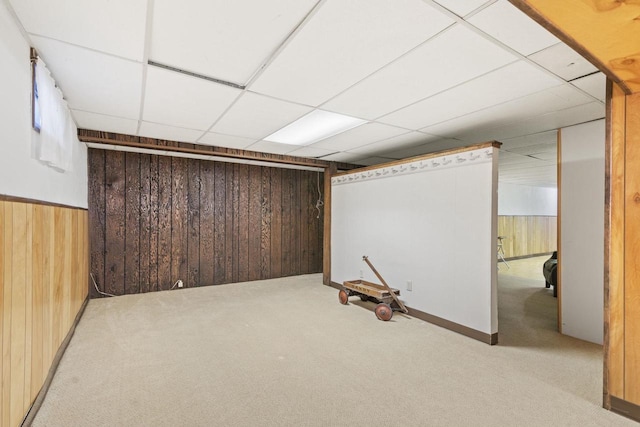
column 624, row 408
column 7, row 198
column 174, row 149
column 33, row 411
column 495, row 144
column 490, row 339
column 43, row 284
column 155, row 220
column 557, row 29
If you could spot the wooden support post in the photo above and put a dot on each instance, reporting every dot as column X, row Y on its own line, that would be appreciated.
column 326, row 240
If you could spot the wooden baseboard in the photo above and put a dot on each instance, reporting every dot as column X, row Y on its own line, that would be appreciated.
column 624, row 408
column 484, row 337
column 37, row 403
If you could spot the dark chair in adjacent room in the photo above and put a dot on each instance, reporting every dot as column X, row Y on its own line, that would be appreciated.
column 550, row 273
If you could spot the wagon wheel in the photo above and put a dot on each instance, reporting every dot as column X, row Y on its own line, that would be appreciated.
column 384, row 311
column 343, row 297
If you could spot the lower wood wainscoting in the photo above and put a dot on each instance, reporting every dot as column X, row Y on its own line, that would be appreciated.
column 43, row 284
column 528, row 235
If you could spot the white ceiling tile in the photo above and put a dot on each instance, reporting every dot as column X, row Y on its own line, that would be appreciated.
column 563, row 61
column 461, row 7
column 170, row 133
column 406, row 140
column 344, row 42
column 92, row 81
column 93, row 121
column 115, row 27
column 553, row 99
column 548, row 147
column 525, row 140
column 545, row 122
column 431, row 147
column 272, row 147
column 310, row 152
column 510, row 82
column 179, row 100
column 452, row 57
column 361, row 135
column 256, row 116
column 371, row 161
column 228, row 141
column 228, row 40
column 344, row 157
column 506, row 23
column 595, row 85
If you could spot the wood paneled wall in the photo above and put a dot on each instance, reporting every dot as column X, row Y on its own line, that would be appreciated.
column 43, row 283
column 156, row 219
column 528, row 235
column 622, row 251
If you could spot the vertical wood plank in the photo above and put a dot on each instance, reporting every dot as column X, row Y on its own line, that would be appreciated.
column 115, row 222
column 219, row 223
column 154, row 212
column 179, row 220
column 207, row 223
column 132, row 224
column 255, row 221
column 296, row 219
column 193, row 223
column 326, row 231
column 614, row 245
column 28, row 327
column 2, row 310
column 145, row 223
column 231, row 222
column 6, row 313
column 97, row 213
column 164, row 223
column 265, row 224
column 276, row 222
column 287, row 191
column 18, row 310
column 632, row 251
column 305, row 217
column 243, row 223
column 48, row 280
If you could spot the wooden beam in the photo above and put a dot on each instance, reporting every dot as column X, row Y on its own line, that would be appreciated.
column 605, row 32
column 326, row 239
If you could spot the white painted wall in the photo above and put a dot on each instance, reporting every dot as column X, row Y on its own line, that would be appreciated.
column 20, row 174
column 524, row 200
column 582, row 230
column 434, row 226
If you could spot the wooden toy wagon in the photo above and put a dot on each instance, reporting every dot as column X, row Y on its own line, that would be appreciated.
column 386, row 297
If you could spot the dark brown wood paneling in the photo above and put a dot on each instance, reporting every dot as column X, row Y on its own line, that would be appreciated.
column 132, row 224
column 97, row 212
column 156, row 219
column 255, row 221
column 164, row 223
column 219, row 224
column 193, row 223
column 115, row 223
column 206, row 223
column 145, row 222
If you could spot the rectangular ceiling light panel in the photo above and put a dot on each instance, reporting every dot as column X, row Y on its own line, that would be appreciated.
column 314, row 127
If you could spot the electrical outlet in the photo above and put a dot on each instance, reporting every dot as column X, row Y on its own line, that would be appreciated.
column 180, row 284
column 409, row 285
column 361, row 274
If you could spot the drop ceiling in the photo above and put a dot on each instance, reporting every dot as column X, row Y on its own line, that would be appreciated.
column 426, row 75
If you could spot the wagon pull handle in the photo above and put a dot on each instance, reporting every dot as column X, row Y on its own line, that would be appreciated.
column 393, row 294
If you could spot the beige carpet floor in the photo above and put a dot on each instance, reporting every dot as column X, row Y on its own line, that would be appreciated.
column 286, row 353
